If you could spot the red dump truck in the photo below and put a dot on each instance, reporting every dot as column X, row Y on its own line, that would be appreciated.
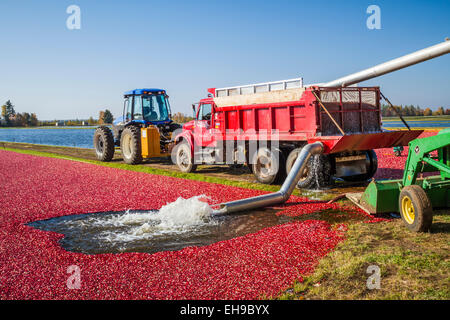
column 265, row 126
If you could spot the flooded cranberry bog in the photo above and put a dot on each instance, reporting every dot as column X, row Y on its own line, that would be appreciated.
column 113, row 226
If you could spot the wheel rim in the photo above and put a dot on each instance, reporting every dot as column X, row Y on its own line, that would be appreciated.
column 183, row 158
column 126, row 146
column 305, row 171
column 304, row 174
column 264, row 165
column 408, row 210
column 100, row 145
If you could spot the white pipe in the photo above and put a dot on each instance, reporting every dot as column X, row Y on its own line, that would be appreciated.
column 286, row 189
column 392, row 65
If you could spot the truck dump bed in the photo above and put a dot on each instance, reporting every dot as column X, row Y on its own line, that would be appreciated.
column 307, row 114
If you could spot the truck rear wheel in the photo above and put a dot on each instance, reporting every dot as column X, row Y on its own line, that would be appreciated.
column 268, row 165
column 104, row 144
column 317, row 173
column 371, row 168
column 130, row 145
column 415, row 208
column 184, row 158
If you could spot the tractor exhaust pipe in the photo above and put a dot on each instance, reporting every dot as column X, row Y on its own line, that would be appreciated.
column 286, row 189
column 392, row 65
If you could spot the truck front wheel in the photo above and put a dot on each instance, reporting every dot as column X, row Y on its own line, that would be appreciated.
column 267, row 165
column 184, row 158
column 130, row 145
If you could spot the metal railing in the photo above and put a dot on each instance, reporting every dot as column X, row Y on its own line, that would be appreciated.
column 260, row 87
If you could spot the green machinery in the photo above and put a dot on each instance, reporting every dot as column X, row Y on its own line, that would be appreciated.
column 414, row 197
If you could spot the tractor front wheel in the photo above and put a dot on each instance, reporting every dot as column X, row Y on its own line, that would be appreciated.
column 415, row 208
column 130, row 145
column 104, row 144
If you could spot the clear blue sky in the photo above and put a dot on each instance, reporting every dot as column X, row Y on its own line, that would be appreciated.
column 187, row 46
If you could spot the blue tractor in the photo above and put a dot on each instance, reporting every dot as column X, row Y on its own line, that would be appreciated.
column 143, row 131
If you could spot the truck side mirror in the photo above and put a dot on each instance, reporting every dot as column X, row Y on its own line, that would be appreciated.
column 193, row 112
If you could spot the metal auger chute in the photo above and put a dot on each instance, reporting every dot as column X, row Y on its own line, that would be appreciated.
column 286, row 189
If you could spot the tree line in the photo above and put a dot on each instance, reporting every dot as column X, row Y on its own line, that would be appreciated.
column 11, row 118
column 386, row 111
column 181, row 118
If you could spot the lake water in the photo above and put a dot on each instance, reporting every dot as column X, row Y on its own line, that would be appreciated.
column 82, row 137
column 417, row 124
column 73, row 137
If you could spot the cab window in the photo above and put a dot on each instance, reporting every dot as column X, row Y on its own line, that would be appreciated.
column 205, row 112
column 137, row 111
column 127, row 108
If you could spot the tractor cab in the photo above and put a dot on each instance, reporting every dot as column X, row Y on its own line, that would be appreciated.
column 143, row 131
column 145, row 107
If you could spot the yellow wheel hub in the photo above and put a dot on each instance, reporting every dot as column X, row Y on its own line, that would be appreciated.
column 408, row 210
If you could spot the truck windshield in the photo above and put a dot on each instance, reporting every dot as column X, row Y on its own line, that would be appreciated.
column 155, row 107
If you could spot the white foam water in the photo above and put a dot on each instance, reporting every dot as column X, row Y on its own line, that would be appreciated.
column 178, row 217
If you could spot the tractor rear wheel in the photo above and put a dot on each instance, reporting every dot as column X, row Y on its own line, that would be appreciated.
column 371, row 168
column 317, row 173
column 104, row 144
column 268, row 165
column 183, row 157
column 130, row 145
column 415, row 208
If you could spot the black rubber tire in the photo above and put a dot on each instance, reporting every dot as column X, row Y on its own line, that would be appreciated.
column 423, row 210
column 371, row 168
column 175, row 126
column 275, row 173
column 130, row 145
column 104, row 144
column 318, row 170
column 183, row 157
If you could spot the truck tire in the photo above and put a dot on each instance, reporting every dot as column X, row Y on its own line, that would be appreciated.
column 268, row 165
column 175, row 126
column 317, row 173
column 183, row 157
column 415, row 208
column 104, row 144
column 371, row 167
column 130, row 145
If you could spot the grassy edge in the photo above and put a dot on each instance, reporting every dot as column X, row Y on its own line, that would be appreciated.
column 412, row 265
column 155, row 171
